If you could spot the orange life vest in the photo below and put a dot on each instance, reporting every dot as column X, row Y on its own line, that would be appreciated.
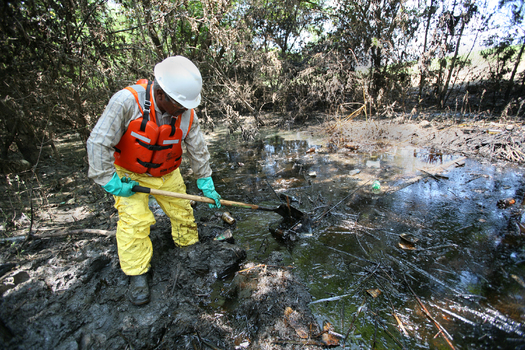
column 146, row 147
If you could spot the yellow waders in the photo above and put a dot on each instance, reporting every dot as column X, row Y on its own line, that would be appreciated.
column 135, row 218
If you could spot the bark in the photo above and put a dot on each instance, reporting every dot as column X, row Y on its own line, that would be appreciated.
column 425, row 43
column 514, row 71
column 26, row 141
column 452, row 63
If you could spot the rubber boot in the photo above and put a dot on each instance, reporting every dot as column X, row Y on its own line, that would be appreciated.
column 139, row 289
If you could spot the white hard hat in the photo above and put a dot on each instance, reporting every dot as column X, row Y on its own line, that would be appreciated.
column 180, row 79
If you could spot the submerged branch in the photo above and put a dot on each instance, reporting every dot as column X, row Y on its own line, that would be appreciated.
column 442, row 330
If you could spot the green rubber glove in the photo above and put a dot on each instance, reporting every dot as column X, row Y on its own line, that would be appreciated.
column 206, row 185
column 120, row 187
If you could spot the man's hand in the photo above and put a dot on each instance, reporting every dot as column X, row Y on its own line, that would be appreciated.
column 120, row 187
column 206, row 185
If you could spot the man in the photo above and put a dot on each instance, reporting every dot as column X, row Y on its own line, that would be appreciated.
column 137, row 141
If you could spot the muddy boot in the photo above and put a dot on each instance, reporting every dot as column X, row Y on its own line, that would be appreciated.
column 138, row 289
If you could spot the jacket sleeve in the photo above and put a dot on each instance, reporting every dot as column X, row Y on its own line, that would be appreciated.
column 197, row 150
column 107, row 133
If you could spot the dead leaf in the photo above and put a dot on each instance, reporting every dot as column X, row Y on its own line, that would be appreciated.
column 406, row 246
column 374, row 292
column 292, row 317
column 330, row 339
column 352, row 147
column 409, row 238
column 327, row 337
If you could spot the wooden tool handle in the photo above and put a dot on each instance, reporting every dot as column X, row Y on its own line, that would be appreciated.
column 192, row 197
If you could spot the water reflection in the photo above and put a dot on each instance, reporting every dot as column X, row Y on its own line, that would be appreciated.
column 460, row 266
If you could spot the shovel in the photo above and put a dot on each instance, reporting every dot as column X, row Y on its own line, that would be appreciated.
column 284, row 210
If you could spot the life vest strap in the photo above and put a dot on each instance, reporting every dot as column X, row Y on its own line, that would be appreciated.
column 152, row 147
column 148, row 165
column 147, row 105
column 172, row 124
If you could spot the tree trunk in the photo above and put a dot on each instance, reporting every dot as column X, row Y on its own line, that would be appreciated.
column 425, row 43
column 452, row 63
column 26, row 141
column 514, row 70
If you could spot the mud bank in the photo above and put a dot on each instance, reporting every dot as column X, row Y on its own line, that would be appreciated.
column 69, row 293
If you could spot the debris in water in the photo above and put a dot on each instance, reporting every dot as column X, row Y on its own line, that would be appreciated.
column 225, row 236
column 409, row 238
column 374, row 292
column 227, row 217
column 293, row 319
column 518, row 279
column 351, row 147
column 287, row 198
column 407, row 246
column 505, row 203
column 329, row 337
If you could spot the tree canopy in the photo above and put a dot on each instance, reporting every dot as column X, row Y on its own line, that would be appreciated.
column 62, row 60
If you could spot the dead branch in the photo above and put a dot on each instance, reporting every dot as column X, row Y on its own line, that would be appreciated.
column 59, row 234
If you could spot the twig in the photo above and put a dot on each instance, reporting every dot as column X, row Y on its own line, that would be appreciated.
column 435, row 279
column 444, row 333
column 353, row 321
column 469, row 322
column 376, row 317
column 353, row 256
column 358, row 283
column 351, row 194
column 364, row 250
column 300, row 342
column 436, row 177
column 177, row 273
column 276, row 195
column 392, row 306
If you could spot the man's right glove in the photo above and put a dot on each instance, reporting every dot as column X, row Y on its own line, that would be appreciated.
column 120, row 187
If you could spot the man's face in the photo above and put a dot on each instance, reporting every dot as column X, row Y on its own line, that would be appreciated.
column 167, row 104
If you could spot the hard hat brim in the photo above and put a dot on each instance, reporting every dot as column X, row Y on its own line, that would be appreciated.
column 181, row 80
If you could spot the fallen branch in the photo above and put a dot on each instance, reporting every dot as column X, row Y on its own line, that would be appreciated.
column 58, row 234
column 434, row 172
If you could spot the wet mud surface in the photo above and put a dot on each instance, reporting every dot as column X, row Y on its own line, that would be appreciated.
column 269, row 286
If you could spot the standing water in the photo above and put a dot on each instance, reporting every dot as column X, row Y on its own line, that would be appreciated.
column 391, row 262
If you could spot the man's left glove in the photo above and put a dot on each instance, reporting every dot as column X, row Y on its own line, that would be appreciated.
column 120, row 187
column 205, row 184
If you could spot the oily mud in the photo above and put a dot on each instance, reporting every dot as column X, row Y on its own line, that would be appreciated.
column 69, row 293
column 63, row 289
